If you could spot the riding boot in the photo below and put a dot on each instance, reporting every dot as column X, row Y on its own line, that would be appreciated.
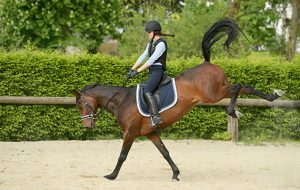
column 152, row 104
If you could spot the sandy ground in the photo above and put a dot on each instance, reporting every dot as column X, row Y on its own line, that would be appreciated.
column 81, row 165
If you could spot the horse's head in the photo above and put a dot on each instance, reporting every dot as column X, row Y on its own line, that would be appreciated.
column 87, row 108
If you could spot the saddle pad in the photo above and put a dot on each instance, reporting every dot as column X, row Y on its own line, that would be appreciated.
column 168, row 98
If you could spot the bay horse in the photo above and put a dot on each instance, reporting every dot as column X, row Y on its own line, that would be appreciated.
column 204, row 83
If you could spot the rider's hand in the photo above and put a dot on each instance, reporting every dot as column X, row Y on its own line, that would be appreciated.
column 129, row 73
column 133, row 74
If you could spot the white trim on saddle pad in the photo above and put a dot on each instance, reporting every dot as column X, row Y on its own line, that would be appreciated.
column 163, row 109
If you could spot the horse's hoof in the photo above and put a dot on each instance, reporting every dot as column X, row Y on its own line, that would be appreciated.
column 110, row 177
column 175, row 175
column 276, row 94
column 279, row 93
column 238, row 114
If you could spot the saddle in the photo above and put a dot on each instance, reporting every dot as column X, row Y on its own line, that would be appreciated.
column 166, row 79
column 165, row 95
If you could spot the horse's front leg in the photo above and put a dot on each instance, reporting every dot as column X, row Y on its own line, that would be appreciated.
column 154, row 137
column 128, row 141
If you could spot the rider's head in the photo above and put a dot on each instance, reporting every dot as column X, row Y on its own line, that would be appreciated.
column 153, row 28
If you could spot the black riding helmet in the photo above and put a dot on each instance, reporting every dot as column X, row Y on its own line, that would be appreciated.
column 152, row 25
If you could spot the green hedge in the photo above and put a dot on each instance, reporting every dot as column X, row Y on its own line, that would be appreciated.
column 34, row 73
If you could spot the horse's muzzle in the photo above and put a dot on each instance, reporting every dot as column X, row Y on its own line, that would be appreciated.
column 89, row 124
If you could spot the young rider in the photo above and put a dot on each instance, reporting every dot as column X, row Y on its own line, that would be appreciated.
column 156, row 49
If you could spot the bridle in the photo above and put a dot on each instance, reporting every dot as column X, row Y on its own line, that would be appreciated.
column 91, row 115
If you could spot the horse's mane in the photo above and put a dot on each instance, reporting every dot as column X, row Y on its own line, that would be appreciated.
column 91, row 86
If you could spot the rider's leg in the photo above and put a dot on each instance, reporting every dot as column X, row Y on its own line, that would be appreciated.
column 152, row 104
column 155, row 76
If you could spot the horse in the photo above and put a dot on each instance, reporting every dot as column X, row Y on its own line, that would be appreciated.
column 205, row 83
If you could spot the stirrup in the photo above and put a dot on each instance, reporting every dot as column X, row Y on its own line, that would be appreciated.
column 156, row 120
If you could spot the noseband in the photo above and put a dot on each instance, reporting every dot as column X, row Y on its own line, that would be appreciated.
column 91, row 114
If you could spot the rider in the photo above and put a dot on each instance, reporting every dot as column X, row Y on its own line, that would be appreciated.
column 156, row 49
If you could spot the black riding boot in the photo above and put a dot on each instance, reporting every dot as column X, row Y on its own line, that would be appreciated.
column 152, row 104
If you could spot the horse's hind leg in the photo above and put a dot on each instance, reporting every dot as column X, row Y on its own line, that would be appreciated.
column 238, row 89
column 234, row 91
column 128, row 141
column 154, row 137
column 270, row 97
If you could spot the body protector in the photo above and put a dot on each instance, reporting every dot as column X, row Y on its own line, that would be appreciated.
column 163, row 58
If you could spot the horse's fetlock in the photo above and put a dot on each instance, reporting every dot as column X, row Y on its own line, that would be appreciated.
column 232, row 114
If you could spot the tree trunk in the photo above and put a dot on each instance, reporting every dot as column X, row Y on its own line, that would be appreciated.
column 291, row 46
column 233, row 8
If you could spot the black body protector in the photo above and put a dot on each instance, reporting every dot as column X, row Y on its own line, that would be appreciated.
column 163, row 58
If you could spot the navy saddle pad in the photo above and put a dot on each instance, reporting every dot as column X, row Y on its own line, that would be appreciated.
column 167, row 98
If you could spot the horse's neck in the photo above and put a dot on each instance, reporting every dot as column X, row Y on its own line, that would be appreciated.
column 108, row 97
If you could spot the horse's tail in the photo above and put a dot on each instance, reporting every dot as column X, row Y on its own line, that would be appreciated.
column 216, row 32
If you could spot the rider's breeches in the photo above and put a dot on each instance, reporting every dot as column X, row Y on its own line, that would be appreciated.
column 156, row 74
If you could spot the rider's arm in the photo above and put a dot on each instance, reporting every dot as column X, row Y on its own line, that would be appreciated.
column 141, row 58
column 159, row 50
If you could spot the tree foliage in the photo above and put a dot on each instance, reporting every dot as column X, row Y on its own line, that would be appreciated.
column 84, row 23
column 56, row 24
column 258, row 20
column 261, row 20
column 134, row 39
column 189, row 26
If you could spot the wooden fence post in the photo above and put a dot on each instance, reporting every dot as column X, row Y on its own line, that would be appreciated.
column 232, row 126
